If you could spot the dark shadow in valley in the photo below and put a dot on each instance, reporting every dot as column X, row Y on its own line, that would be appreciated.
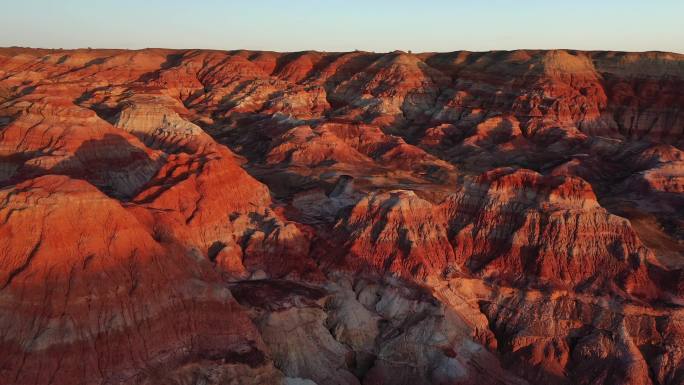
column 112, row 164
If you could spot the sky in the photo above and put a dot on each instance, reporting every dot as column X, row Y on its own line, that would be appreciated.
column 335, row 25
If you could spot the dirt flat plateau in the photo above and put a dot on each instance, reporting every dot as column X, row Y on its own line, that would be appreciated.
column 243, row 217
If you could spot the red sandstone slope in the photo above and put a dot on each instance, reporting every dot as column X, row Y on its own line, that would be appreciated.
column 201, row 216
column 88, row 294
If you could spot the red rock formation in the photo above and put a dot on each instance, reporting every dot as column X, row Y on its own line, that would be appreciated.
column 517, row 225
column 88, row 294
column 396, row 231
column 495, row 217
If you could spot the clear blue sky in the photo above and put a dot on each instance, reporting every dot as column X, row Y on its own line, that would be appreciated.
column 332, row 25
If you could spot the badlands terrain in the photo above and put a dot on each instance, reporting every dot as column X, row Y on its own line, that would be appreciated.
column 239, row 217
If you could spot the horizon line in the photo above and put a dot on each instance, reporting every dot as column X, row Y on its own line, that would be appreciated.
column 334, row 51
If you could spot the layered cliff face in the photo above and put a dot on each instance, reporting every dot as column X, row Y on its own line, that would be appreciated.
column 208, row 217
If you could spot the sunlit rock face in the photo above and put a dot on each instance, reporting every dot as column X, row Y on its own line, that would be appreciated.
column 211, row 217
